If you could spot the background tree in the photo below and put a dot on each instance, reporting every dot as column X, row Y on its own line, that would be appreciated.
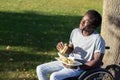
column 111, row 33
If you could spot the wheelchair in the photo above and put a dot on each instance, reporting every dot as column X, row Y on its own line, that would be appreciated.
column 94, row 74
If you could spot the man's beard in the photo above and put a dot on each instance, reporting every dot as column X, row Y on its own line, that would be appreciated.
column 88, row 29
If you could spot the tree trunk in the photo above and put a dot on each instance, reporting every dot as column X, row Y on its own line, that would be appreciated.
column 111, row 32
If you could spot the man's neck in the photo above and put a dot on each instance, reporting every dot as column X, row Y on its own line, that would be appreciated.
column 87, row 33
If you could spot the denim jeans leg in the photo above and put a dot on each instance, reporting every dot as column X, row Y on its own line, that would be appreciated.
column 65, row 73
column 50, row 67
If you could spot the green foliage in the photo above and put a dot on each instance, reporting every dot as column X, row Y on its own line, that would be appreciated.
column 30, row 30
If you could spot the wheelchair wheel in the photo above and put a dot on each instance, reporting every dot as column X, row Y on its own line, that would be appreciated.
column 97, row 74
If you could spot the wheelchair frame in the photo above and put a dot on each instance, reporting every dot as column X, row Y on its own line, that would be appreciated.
column 94, row 74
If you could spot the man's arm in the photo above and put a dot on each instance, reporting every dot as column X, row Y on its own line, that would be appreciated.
column 70, row 48
column 94, row 63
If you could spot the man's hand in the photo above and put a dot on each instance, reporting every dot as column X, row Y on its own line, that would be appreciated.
column 60, row 46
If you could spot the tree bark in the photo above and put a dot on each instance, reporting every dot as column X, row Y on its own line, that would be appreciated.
column 111, row 32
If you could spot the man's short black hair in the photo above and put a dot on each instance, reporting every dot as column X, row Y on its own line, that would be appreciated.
column 97, row 19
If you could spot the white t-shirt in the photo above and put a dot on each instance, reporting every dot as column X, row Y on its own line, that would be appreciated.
column 86, row 46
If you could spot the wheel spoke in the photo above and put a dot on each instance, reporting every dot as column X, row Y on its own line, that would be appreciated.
column 99, row 76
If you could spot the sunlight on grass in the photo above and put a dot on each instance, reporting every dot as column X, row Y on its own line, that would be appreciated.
column 58, row 7
column 18, row 75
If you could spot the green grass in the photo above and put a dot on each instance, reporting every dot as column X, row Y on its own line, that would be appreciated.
column 32, row 28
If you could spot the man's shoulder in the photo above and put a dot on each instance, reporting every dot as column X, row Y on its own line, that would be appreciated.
column 76, row 30
column 98, row 37
column 96, row 34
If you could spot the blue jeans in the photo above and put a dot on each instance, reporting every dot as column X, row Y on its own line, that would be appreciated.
column 57, row 70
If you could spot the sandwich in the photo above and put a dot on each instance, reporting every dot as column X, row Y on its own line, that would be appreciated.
column 67, row 60
column 62, row 51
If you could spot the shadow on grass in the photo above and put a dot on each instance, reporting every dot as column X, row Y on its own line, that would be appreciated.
column 12, row 61
column 35, row 30
column 39, row 31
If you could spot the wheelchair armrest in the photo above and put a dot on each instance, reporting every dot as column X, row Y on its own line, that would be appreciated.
column 107, row 47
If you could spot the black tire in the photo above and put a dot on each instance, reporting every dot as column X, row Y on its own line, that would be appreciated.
column 96, row 74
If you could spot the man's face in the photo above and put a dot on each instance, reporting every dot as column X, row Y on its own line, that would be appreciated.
column 86, row 22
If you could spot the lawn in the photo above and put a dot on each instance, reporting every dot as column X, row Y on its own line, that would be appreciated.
column 30, row 30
